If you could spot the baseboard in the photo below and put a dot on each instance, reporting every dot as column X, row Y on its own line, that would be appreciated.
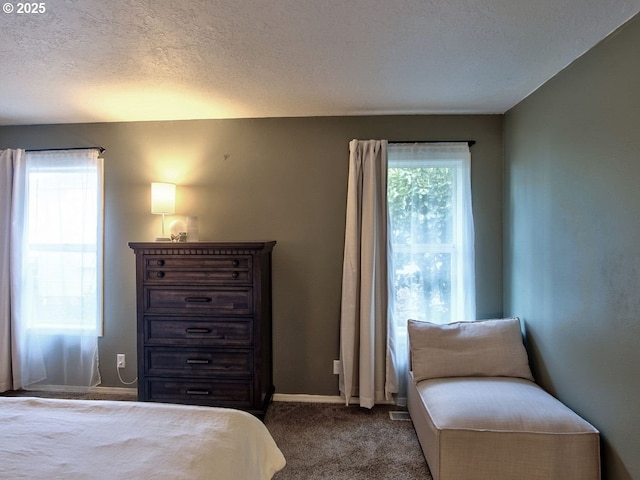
column 115, row 391
column 290, row 397
column 277, row 397
column 305, row 398
column 65, row 388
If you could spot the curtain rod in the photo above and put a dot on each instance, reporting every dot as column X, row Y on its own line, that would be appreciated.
column 468, row 142
column 101, row 149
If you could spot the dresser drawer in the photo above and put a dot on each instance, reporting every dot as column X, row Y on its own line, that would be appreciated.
column 221, row 269
column 212, row 301
column 231, row 393
column 198, row 361
column 187, row 331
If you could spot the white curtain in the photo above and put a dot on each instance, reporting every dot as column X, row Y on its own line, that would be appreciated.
column 431, row 239
column 56, row 268
column 368, row 371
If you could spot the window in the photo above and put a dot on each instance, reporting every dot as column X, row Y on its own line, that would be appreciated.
column 431, row 233
column 62, row 249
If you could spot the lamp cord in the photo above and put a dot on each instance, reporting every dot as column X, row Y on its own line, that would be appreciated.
column 122, row 381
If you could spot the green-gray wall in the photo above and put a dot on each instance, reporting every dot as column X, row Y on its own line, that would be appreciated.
column 284, row 180
column 572, row 239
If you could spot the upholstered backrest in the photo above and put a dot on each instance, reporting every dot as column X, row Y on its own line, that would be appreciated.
column 486, row 348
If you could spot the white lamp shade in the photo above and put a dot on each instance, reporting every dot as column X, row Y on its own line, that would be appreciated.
column 163, row 198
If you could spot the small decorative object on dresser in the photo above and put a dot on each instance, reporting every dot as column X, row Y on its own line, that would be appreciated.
column 204, row 323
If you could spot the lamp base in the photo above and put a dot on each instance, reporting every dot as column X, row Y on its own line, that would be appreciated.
column 163, row 239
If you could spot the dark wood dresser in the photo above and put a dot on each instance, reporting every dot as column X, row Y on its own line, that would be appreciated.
column 204, row 323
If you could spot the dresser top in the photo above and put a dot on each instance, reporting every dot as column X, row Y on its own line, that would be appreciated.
column 201, row 248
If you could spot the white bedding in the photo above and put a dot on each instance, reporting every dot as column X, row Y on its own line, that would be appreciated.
column 74, row 439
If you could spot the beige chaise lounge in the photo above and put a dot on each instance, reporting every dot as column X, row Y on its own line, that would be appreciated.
column 479, row 415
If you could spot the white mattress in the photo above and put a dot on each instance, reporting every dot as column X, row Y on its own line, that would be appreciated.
column 73, row 439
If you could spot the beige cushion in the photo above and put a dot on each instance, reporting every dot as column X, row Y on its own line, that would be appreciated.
column 484, row 348
column 499, row 428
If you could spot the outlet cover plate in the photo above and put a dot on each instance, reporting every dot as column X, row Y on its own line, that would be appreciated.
column 336, row 367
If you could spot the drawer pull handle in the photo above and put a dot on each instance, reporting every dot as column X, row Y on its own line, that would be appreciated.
column 197, row 330
column 198, row 299
column 197, row 361
column 160, row 274
column 235, row 274
column 160, row 263
column 198, row 392
column 235, row 263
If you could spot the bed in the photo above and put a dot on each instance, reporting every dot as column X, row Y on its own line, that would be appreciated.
column 88, row 439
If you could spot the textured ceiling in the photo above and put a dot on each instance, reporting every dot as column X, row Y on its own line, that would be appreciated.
column 126, row 60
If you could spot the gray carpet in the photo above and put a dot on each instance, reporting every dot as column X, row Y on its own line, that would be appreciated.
column 336, row 442
column 323, row 441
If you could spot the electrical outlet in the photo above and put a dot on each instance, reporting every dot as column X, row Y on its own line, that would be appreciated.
column 120, row 360
column 336, row 367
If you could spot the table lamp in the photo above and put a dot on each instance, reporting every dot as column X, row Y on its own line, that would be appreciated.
column 163, row 202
